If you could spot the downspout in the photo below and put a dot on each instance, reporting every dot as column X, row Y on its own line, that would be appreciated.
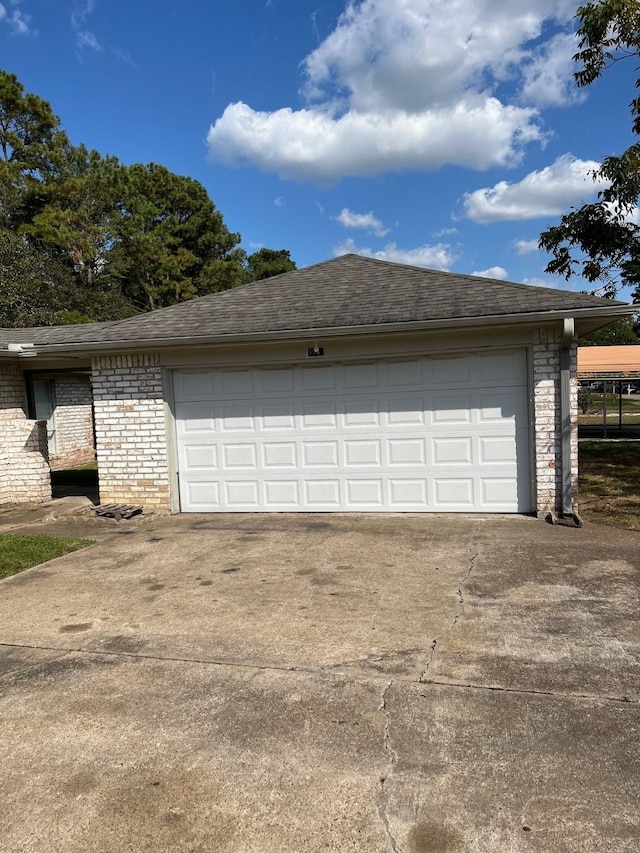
column 568, row 334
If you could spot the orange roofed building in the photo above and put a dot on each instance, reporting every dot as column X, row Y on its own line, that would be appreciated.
column 622, row 362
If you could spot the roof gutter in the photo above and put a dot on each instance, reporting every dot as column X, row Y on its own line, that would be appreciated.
column 493, row 320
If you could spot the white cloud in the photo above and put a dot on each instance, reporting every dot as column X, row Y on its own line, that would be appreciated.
column 438, row 256
column 364, row 221
column 548, row 78
column 85, row 38
column 17, row 20
column 526, row 247
column 278, row 202
column 492, row 272
column 410, row 84
column 80, row 13
column 446, row 232
column 547, row 192
column 315, row 145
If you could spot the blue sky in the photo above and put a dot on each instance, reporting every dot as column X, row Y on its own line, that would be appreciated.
column 442, row 133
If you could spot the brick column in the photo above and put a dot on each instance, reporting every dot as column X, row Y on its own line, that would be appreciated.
column 24, row 467
column 130, row 430
column 548, row 428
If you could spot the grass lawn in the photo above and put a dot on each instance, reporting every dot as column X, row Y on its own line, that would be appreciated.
column 609, row 489
column 18, row 552
column 630, row 410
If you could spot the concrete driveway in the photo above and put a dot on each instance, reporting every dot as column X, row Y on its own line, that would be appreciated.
column 261, row 684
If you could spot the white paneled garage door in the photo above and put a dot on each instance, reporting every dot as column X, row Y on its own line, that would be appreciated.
column 425, row 435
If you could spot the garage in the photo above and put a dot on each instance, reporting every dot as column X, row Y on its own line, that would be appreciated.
column 430, row 434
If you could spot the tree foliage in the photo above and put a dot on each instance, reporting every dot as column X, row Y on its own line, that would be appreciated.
column 601, row 241
column 622, row 333
column 84, row 237
column 267, row 262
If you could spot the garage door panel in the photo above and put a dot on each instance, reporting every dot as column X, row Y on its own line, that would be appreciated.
column 405, row 411
column 367, row 452
column 237, row 418
column 275, row 381
column 447, row 451
column 197, row 457
column 242, row 494
column 497, row 370
column 280, row 494
column 322, row 494
column 453, row 492
column 410, row 493
column 496, row 449
column 276, row 417
column 192, row 385
column 358, row 376
column 364, row 493
column 320, row 414
column 505, row 405
column 358, row 413
column 317, row 379
column 498, row 492
column 320, row 454
column 280, row 454
column 407, row 451
column 404, row 373
column 203, row 496
column 356, row 437
column 196, row 417
column 450, row 371
column 451, row 409
column 243, row 456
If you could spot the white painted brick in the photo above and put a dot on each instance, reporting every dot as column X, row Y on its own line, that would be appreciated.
column 130, row 429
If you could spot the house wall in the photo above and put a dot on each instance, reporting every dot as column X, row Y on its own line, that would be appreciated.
column 73, row 421
column 131, row 434
column 24, row 468
column 548, row 427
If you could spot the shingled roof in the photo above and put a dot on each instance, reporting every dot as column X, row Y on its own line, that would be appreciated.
column 346, row 292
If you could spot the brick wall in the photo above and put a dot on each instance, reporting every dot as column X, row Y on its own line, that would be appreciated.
column 130, row 430
column 548, row 431
column 24, row 468
column 73, row 421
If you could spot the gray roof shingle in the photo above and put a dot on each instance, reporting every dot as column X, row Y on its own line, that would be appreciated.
column 349, row 291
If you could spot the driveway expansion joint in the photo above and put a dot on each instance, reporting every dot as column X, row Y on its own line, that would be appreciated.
column 383, row 794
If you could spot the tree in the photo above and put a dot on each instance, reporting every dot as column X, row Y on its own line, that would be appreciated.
column 170, row 242
column 267, row 262
column 31, row 144
column 604, row 233
column 623, row 332
column 103, row 240
column 80, row 209
column 31, row 287
column 37, row 289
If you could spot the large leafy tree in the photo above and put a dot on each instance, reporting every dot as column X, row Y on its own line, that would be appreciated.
column 85, row 237
column 170, row 241
column 32, row 143
column 267, row 262
column 601, row 241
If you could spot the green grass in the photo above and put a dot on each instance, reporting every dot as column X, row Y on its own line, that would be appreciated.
column 609, row 488
column 18, row 552
column 630, row 410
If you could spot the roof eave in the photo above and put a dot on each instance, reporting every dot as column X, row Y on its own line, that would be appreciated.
column 494, row 320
